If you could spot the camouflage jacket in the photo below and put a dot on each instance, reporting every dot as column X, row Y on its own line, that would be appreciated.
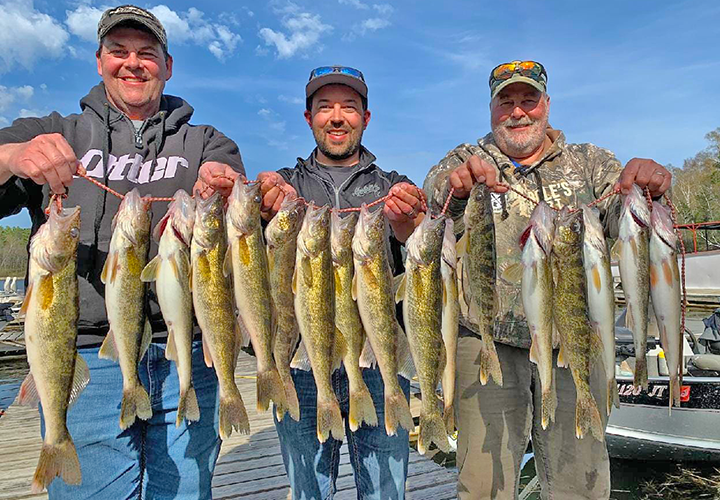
column 568, row 174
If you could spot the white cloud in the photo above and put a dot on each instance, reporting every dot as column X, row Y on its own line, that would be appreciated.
column 9, row 95
column 27, row 35
column 303, row 32
column 273, row 121
column 4, row 122
column 264, row 112
column 373, row 24
column 290, row 100
column 29, row 113
column 384, row 9
column 355, row 3
column 190, row 27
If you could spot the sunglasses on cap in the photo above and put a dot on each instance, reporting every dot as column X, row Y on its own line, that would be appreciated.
column 326, row 70
column 529, row 69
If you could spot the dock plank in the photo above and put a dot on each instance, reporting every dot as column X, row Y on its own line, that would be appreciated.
column 249, row 466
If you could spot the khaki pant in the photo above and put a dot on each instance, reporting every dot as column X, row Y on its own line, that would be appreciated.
column 495, row 423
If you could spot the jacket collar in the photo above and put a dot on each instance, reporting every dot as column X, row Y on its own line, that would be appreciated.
column 367, row 159
column 504, row 163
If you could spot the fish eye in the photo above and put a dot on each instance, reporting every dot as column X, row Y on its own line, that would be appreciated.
column 74, row 232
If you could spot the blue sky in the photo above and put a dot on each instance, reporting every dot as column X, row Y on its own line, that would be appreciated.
column 639, row 77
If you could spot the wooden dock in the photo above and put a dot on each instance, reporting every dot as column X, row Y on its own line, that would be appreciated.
column 250, row 466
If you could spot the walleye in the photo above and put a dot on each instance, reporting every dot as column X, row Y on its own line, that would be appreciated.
column 247, row 262
column 537, row 297
column 580, row 345
column 373, row 290
column 421, row 291
column 170, row 269
column 348, row 322
column 212, row 298
column 313, row 284
column 57, row 373
column 633, row 243
column 281, row 235
column 601, row 297
column 130, row 334
column 450, row 322
column 665, row 292
column 477, row 250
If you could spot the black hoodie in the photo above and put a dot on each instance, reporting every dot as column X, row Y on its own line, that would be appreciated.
column 162, row 157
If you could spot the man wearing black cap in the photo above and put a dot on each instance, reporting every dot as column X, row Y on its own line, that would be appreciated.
column 341, row 173
column 129, row 135
column 496, row 419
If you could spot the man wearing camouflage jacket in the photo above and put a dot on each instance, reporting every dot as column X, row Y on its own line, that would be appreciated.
column 495, row 423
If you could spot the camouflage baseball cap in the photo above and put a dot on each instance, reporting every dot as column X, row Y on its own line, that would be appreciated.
column 132, row 14
column 529, row 72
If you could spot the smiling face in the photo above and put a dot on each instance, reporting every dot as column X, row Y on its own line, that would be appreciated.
column 134, row 69
column 337, row 119
column 519, row 118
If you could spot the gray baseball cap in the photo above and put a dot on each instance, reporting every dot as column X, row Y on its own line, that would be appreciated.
column 132, row 14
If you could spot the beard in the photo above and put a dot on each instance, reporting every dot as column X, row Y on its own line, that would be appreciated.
column 338, row 152
column 520, row 144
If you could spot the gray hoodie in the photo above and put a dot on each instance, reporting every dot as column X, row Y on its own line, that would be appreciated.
column 160, row 158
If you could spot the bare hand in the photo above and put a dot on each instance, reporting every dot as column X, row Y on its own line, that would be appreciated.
column 214, row 176
column 273, row 189
column 46, row 159
column 473, row 171
column 645, row 173
column 405, row 202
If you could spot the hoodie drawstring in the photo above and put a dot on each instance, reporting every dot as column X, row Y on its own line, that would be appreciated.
column 159, row 143
column 102, row 194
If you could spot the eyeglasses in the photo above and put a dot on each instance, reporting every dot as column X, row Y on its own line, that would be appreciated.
column 325, row 70
column 529, row 69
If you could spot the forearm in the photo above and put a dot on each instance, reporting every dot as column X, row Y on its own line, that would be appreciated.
column 6, row 151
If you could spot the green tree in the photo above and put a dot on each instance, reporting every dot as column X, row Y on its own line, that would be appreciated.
column 13, row 251
column 696, row 192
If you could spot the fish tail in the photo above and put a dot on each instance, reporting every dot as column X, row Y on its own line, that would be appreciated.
column 362, row 408
column 329, row 420
column 613, row 398
column 587, row 416
column 59, row 459
column 549, row 405
column 449, row 416
column 432, row 430
column 674, row 391
column 135, row 403
column 397, row 412
column 270, row 387
column 293, row 405
column 641, row 373
column 233, row 415
column 188, row 408
column 490, row 363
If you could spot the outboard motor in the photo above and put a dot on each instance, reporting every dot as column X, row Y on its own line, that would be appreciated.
column 711, row 336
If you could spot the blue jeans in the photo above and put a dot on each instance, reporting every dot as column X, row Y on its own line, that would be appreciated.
column 379, row 461
column 151, row 459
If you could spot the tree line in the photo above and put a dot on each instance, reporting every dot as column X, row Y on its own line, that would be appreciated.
column 13, row 251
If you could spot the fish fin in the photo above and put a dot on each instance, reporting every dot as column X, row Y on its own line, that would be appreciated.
column 561, row 361
column 449, row 417
column 596, row 279
column 534, row 355
column 170, row 347
column 329, row 420
column 81, row 378
column 188, row 408
column 135, row 404
column 45, row 291
column 232, row 415
column 397, row 412
column 307, row 271
column 675, row 385
column 292, row 399
column 362, row 409
column 473, row 313
column 270, row 261
column 190, row 280
column 108, row 349
column 59, row 459
column 227, row 262
column 400, row 282
column 406, row 366
column 444, row 295
column 206, row 352
column 243, row 249
column 28, row 395
column 174, row 265
column 513, row 273
column 616, row 250
column 26, row 301
column 640, row 378
column 613, row 397
column 106, row 269
column 432, row 430
column 146, row 338
column 355, row 286
column 549, row 404
column 270, row 387
column 367, row 356
column 587, row 416
column 490, row 363
column 339, row 349
column 461, row 248
column 242, row 334
column 150, row 272
column 301, row 361
column 114, row 264
column 294, row 280
column 160, row 227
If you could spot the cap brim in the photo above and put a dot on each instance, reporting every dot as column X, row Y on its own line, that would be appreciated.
column 518, row 79
column 336, row 78
column 130, row 18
